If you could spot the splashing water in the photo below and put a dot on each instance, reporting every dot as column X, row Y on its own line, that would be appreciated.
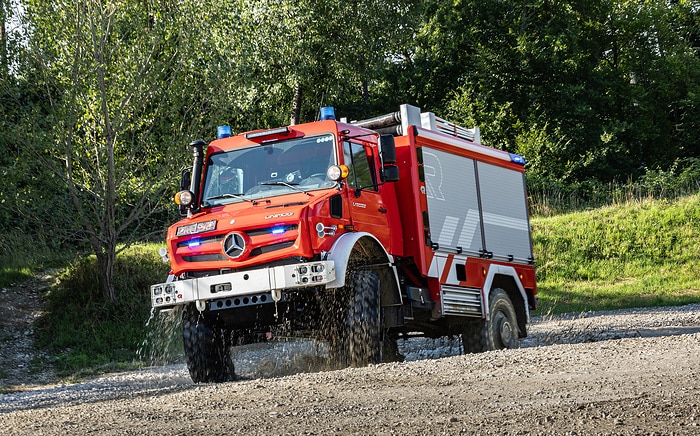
column 163, row 342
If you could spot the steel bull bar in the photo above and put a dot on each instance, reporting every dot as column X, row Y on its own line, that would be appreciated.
column 270, row 279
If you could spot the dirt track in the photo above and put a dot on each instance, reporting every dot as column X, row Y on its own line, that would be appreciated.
column 640, row 376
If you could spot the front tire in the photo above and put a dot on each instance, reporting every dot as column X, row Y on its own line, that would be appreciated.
column 353, row 335
column 207, row 348
column 498, row 331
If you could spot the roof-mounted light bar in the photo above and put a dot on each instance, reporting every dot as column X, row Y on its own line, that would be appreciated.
column 271, row 132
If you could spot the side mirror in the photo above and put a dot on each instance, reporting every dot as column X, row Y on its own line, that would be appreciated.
column 387, row 149
column 390, row 173
column 387, row 152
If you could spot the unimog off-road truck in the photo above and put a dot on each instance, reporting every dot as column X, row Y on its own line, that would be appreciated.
column 354, row 233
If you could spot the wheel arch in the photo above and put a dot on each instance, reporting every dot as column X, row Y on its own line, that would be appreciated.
column 363, row 249
column 506, row 278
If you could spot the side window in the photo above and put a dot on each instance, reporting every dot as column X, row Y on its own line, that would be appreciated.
column 361, row 167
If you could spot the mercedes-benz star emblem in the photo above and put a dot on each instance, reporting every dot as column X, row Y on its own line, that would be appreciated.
column 234, row 245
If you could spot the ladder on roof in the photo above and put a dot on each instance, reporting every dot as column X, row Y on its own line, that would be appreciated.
column 396, row 123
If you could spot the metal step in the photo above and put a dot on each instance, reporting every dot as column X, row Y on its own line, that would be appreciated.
column 461, row 301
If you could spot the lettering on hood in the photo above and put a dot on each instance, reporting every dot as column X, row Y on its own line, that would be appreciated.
column 279, row 215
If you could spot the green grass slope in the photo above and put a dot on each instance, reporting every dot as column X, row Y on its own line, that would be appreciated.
column 633, row 255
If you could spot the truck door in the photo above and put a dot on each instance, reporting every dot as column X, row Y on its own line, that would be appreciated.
column 368, row 212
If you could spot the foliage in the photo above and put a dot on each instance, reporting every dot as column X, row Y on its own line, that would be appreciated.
column 113, row 75
column 83, row 330
column 99, row 97
column 630, row 255
column 22, row 255
column 325, row 53
column 549, row 196
column 588, row 90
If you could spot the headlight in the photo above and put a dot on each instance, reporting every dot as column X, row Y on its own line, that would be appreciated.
column 184, row 198
column 337, row 172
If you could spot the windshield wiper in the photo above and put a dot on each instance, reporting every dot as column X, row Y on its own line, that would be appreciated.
column 296, row 203
column 289, row 185
column 217, row 197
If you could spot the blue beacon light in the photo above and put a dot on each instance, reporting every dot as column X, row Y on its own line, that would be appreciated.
column 327, row 113
column 517, row 159
column 223, row 132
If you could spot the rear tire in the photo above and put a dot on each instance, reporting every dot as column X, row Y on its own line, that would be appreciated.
column 498, row 331
column 207, row 348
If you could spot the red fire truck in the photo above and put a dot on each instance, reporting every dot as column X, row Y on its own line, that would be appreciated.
column 354, row 233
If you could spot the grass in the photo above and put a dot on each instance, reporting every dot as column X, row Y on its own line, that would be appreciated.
column 23, row 255
column 642, row 253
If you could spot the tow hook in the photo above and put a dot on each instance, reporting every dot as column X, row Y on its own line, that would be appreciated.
column 276, row 296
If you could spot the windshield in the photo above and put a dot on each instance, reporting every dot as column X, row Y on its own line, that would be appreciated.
column 268, row 170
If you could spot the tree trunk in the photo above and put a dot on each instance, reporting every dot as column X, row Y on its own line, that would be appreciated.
column 106, row 260
column 365, row 85
column 296, row 104
column 3, row 40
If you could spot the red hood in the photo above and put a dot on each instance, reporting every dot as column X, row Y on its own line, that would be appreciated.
column 271, row 229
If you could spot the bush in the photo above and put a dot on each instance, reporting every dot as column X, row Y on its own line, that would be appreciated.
column 549, row 196
column 82, row 329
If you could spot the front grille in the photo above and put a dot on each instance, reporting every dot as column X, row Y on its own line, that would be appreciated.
column 268, row 230
column 200, row 240
column 204, row 258
column 269, row 248
column 262, row 239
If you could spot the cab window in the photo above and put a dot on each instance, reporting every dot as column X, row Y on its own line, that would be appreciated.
column 361, row 166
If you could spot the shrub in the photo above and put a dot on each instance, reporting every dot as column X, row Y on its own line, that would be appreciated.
column 82, row 329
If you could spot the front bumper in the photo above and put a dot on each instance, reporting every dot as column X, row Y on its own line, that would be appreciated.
column 272, row 279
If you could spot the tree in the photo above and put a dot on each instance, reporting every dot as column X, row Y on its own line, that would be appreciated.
column 115, row 78
column 3, row 39
column 302, row 55
column 595, row 89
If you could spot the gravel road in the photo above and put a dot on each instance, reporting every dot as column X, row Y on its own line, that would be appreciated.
column 623, row 372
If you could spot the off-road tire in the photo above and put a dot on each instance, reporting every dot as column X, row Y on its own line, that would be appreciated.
column 498, row 331
column 353, row 326
column 207, row 348
column 363, row 319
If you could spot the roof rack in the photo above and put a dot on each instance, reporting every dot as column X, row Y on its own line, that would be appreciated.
column 396, row 123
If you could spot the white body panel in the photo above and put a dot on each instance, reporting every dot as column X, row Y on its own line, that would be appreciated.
column 476, row 208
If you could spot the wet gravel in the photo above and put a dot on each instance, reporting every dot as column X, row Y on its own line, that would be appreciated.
column 279, row 359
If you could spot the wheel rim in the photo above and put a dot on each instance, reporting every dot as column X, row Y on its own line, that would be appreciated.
column 505, row 334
